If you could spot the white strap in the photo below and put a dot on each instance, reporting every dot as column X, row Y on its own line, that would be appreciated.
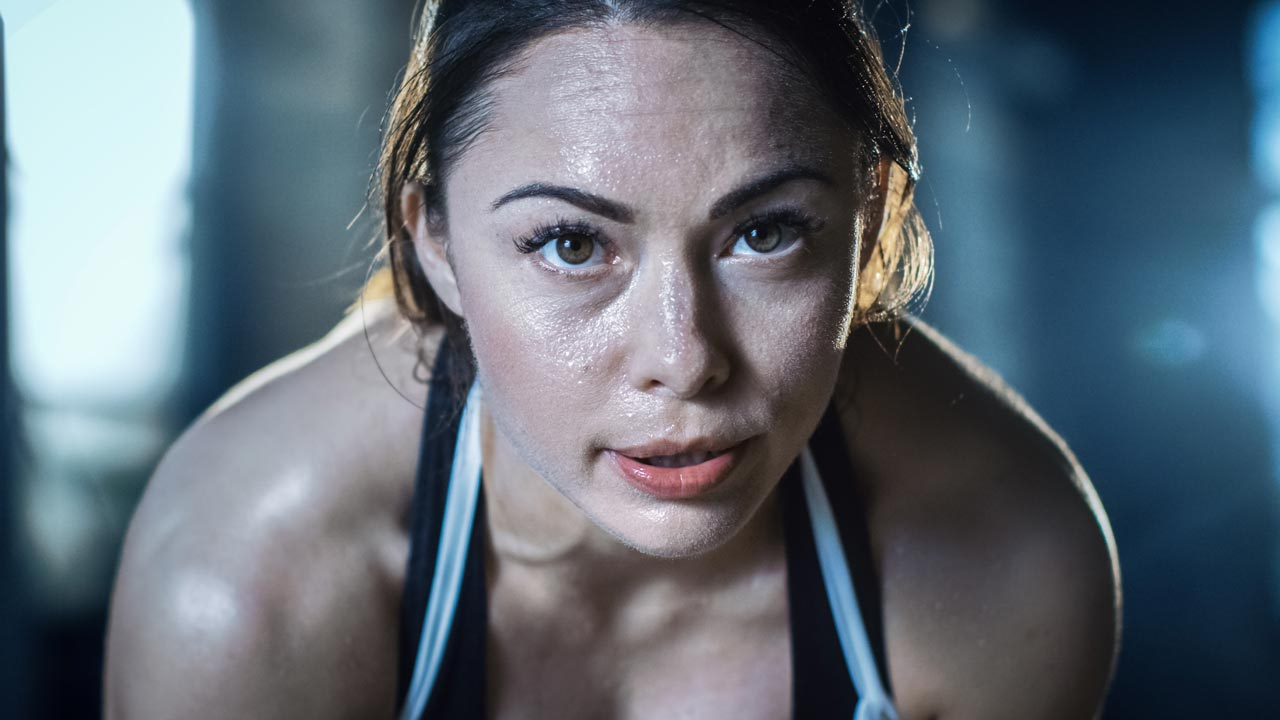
column 451, row 558
column 873, row 703
column 455, row 537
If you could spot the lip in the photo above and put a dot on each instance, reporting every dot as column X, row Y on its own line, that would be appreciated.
column 675, row 447
column 677, row 483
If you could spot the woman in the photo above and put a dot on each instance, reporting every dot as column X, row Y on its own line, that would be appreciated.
column 678, row 459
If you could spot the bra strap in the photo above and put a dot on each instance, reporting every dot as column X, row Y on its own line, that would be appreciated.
column 451, row 558
column 873, row 701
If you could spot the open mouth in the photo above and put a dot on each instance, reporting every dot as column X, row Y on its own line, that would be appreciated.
column 682, row 475
column 680, row 460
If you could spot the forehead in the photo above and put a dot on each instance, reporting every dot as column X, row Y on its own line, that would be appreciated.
column 627, row 105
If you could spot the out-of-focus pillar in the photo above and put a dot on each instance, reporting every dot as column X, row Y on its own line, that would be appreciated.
column 11, row 641
column 289, row 99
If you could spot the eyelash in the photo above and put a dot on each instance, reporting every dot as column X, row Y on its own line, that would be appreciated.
column 803, row 223
column 543, row 234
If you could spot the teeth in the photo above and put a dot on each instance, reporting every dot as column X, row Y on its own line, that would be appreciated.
column 680, row 460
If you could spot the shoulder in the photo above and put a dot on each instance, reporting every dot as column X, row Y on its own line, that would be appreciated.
column 261, row 572
column 1000, row 581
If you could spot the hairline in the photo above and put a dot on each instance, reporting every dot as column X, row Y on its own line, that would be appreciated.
column 480, row 104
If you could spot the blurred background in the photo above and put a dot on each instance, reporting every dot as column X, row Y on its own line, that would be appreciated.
column 1102, row 181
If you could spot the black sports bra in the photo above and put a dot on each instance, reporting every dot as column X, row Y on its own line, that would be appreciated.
column 442, row 672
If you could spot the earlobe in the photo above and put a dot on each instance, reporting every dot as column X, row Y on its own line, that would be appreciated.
column 429, row 243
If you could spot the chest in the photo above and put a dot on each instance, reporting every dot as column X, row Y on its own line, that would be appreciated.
column 703, row 655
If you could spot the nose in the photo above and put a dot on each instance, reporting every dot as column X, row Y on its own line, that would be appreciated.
column 678, row 339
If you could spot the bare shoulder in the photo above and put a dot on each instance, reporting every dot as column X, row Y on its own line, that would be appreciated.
column 1000, row 581
column 261, row 572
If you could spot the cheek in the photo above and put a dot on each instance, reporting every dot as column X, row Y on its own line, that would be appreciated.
column 792, row 337
column 791, row 359
column 519, row 335
column 540, row 362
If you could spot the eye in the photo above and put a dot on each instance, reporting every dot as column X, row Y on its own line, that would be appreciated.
column 771, row 233
column 573, row 249
column 567, row 247
column 762, row 239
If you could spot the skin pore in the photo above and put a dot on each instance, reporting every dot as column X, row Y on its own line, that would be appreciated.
column 696, row 312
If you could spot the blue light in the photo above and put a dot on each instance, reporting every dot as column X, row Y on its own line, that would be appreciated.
column 1264, row 50
column 1267, row 269
column 101, row 98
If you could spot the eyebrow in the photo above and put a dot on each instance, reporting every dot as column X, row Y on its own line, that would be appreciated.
column 764, row 185
column 587, row 201
column 619, row 212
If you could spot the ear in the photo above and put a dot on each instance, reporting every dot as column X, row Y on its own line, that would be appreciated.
column 430, row 244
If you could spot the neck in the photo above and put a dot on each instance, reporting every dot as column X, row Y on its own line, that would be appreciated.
column 533, row 525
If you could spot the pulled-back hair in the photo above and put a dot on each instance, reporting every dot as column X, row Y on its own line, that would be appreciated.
column 461, row 46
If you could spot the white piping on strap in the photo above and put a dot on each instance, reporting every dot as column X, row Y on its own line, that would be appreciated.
column 873, row 702
column 455, row 538
column 451, row 558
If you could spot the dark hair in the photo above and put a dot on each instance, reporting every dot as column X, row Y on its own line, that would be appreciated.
column 461, row 46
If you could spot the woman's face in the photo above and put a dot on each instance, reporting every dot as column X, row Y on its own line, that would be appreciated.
column 654, row 247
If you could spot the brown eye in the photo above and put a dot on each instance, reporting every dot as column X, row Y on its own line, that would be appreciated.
column 763, row 238
column 575, row 248
column 567, row 246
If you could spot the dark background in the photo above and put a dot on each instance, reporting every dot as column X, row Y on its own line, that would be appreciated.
column 1092, row 184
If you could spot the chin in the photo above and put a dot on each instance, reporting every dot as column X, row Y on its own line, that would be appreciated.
column 679, row 530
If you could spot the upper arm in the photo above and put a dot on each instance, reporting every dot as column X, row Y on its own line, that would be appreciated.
column 261, row 574
column 242, row 593
column 1053, row 653
column 187, row 639
column 1001, row 588
column 1015, row 612
column 1003, row 607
